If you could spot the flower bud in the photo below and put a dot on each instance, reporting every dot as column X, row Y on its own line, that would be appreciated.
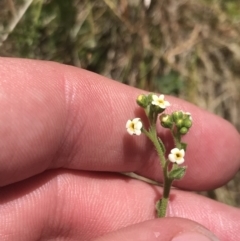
column 179, row 123
column 142, row 100
column 187, row 123
column 183, row 131
column 177, row 115
column 149, row 97
column 166, row 121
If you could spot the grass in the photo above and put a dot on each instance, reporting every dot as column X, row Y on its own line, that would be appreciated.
column 185, row 48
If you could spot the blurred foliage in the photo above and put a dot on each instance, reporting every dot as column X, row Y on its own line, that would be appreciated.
column 170, row 83
column 186, row 48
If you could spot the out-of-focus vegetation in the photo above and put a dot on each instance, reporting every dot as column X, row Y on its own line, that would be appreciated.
column 186, row 48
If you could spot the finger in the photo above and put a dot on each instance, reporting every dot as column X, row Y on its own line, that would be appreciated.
column 167, row 229
column 58, row 116
column 83, row 206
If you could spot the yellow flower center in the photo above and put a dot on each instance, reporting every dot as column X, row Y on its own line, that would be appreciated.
column 132, row 126
column 178, row 155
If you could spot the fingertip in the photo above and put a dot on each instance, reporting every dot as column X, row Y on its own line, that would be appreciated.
column 167, row 229
column 213, row 152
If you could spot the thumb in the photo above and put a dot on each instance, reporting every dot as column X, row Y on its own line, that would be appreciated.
column 164, row 229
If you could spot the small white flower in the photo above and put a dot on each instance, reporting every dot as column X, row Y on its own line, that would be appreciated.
column 177, row 156
column 134, row 126
column 189, row 115
column 159, row 101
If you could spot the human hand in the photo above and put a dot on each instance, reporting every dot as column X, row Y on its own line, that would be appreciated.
column 63, row 139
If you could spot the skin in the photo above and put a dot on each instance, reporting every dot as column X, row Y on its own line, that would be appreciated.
column 63, row 139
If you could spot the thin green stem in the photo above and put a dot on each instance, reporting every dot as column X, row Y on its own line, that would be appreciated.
column 166, row 191
column 176, row 137
column 163, row 203
column 151, row 134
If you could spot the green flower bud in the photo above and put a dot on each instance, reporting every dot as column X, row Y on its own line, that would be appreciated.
column 177, row 115
column 179, row 123
column 142, row 100
column 183, row 131
column 187, row 123
column 166, row 121
column 149, row 97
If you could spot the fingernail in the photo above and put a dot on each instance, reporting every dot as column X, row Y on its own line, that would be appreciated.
column 194, row 236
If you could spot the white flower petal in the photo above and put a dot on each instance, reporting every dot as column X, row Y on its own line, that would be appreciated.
column 182, row 152
column 171, row 157
column 128, row 124
column 155, row 97
column 138, row 132
column 130, row 131
column 174, row 150
column 189, row 115
column 138, row 125
column 180, row 161
column 166, row 103
column 161, row 97
column 135, row 120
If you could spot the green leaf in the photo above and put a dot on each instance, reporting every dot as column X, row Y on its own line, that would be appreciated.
column 177, row 173
column 161, row 145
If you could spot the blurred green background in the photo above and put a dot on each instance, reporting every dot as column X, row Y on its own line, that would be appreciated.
column 190, row 49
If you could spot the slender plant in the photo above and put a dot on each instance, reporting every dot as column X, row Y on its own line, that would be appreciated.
column 179, row 123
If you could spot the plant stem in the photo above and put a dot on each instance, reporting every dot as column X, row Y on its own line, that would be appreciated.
column 162, row 206
column 176, row 138
column 166, row 191
column 153, row 137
